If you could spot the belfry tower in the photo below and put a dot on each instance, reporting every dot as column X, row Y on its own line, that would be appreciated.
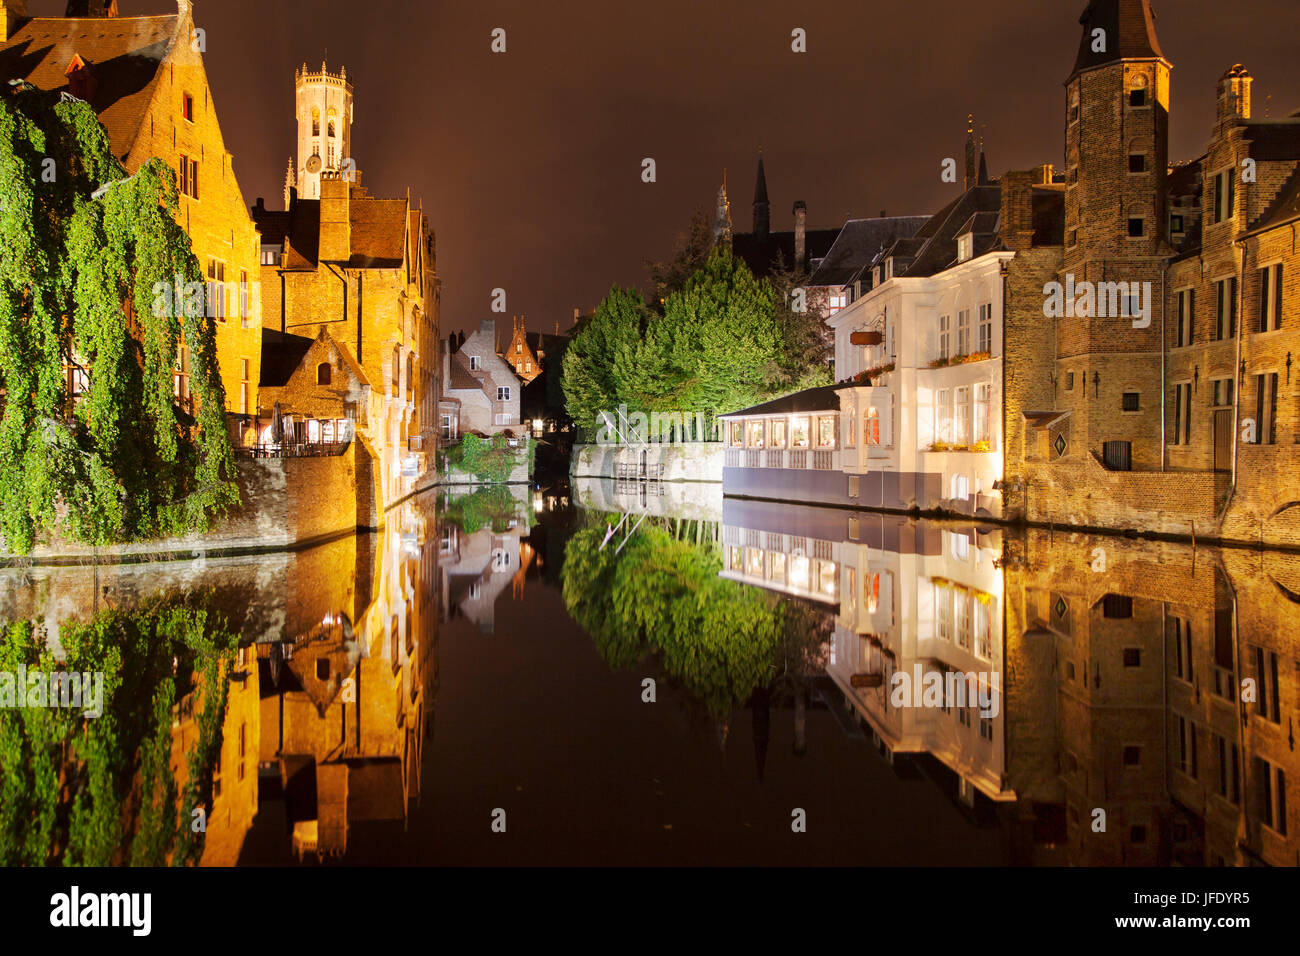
column 323, row 102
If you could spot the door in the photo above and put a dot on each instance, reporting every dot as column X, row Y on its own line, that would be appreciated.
column 1223, row 439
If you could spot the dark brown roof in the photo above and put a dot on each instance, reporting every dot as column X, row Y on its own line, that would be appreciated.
column 824, row 398
column 378, row 233
column 761, row 252
column 1283, row 210
column 460, row 377
column 122, row 54
column 281, row 354
column 1130, row 33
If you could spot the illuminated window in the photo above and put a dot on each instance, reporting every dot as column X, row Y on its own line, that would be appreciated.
column 737, row 435
column 826, row 432
column 776, row 566
column 315, row 121
column 754, row 434
column 799, row 432
column 777, row 431
column 871, row 426
column 828, row 573
column 850, row 429
column 754, row 562
column 800, row 569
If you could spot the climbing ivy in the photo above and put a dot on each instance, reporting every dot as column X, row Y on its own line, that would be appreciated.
column 86, row 249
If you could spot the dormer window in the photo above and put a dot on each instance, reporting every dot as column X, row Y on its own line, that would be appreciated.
column 965, row 247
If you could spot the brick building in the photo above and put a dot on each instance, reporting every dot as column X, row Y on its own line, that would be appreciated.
column 360, row 272
column 481, row 393
column 145, row 78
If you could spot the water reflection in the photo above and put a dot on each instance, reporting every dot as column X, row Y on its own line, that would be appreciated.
column 288, row 699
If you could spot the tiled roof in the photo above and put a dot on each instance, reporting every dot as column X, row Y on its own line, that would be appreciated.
column 378, row 233
column 858, row 243
column 281, row 354
column 122, row 54
column 460, row 378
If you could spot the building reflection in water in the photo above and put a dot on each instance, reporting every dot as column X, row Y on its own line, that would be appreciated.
column 1149, row 691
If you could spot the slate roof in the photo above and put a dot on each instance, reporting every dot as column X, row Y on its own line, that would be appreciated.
column 824, row 398
column 1130, row 33
column 378, row 232
column 1283, row 210
column 934, row 247
column 858, row 243
column 122, row 54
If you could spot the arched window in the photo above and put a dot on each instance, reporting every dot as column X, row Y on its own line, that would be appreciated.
column 330, row 123
column 315, row 121
column 323, row 373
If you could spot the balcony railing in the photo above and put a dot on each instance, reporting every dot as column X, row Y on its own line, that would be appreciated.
column 293, row 450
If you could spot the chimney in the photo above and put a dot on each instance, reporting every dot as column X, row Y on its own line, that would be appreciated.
column 335, row 219
column 800, row 233
column 1234, row 94
column 11, row 11
column 1018, row 208
column 489, row 328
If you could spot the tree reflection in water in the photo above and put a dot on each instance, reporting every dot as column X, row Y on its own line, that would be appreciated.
column 96, row 791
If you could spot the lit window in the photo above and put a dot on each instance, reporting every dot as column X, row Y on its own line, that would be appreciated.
column 799, row 432
column 777, row 431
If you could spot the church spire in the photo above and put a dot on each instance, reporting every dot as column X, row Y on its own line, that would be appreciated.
column 969, row 179
column 762, row 209
column 722, row 221
column 290, row 181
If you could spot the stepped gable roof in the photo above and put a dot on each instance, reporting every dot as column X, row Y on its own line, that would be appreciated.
column 824, row 398
column 123, row 55
column 1130, row 33
column 1284, row 209
column 858, row 243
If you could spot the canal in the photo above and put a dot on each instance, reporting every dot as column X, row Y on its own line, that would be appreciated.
column 637, row 674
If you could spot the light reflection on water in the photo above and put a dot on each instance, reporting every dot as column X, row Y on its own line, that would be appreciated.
column 493, row 649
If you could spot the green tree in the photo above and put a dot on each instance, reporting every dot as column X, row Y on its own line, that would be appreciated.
column 86, row 251
column 690, row 253
column 591, row 384
column 807, row 342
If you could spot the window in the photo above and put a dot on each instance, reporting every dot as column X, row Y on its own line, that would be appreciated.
column 245, row 307
column 1182, row 414
column 323, row 373
column 871, row 427
column 396, row 370
column 1131, row 401
column 1117, row 455
column 1271, row 786
column 1176, row 226
column 448, row 431
column 945, row 336
column 188, row 182
column 754, row 434
column 1137, row 163
column 270, row 256
column 1266, row 699
column 986, row 727
column 1222, row 392
column 776, row 432
column 187, row 107
column 1132, row 756
column 799, row 432
column 1266, row 409
column 217, row 289
column 503, row 393
column 986, row 328
column 1182, row 634
column 836, row 301
column 737, row 435
column 1270, row 298
column 475, row 363
column 1136, row 227
column 826, row 432
column 943, row 416
column 181, row 377
column 1183, row 320
column 1117, row 607
column 1069, row 381
column 1229, row 769
column 1072, row 238
column 528, row 366
column 965, row 247
column 850, row 428
column 1132, row 657
column 243, row 386
column 1187, row 747
column 982, row 410
column 1137, row 97
column 961, row 415
column 1225, row 308
column 315, row 121
column 1225, row 195
column 963, row 332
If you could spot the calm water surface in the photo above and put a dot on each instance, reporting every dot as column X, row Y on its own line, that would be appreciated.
column 640, row 675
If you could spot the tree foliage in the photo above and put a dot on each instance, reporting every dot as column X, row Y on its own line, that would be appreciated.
column 722, row 340
column 78, row 288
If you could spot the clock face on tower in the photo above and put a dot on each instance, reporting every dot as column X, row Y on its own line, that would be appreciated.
column 313, row 164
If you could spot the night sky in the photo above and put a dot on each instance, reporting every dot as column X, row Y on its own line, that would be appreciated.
column 529, row 162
